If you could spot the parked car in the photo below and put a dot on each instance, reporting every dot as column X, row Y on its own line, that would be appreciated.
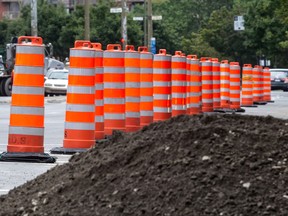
column 279, row 79
column 56, row 82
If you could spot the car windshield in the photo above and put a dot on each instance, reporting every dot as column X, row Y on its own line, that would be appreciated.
column 59, row 75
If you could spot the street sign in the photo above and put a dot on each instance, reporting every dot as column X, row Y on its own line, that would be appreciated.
column 239, row 23
column 153, row 45
column 115, row 10
column 138, row 18
column 156, row 17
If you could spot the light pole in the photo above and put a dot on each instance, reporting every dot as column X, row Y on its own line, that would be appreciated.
column 124, row 23
column 87, row 20
column 34, row 28
column 149, row 23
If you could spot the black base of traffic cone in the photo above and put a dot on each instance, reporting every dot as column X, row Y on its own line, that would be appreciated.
column 253, row 106
column 226, row 110
column 260, row 103
column 270, row 101
column 27, row 157
column 69, row 151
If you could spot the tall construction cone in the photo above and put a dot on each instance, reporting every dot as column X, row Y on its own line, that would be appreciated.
column 26, row 129
column 79, row 131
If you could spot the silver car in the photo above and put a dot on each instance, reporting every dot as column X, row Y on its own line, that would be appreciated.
column 56, row 82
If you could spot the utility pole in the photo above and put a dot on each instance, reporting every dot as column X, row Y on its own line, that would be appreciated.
column 145, row 22
column 87, row 20
column 124, row 23
column 34, row 31
column 150, row 23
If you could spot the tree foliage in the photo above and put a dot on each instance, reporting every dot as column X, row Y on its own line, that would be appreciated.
column 201, row 27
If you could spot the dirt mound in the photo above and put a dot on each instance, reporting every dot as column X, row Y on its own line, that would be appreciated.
column 188, row 165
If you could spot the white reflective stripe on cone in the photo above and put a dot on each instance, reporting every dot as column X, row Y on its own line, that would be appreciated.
column 161, row 84
column 234, row 91
column 146, row 56
column 27, row 110
column 146, row 98
column 207, row 100
column 131, row 99
column 216, row 90
column 234, row 83
column 224, row 98
column 162, row 110
column 113, row 54
column 26, row 131
column 161, row 71
column 247, row 96
column 132, row 114
column 207, row 91
column 234, row 75
column 24, row 49
column 146, row 113
column 132, row 70
column 28, row 90
column 178, row 107
column 113, row 70
column 82, row 71
column 132, row 84
column 194, row 84
column 114, row 85
column 178, row 95
column 28, row 70
column 132, row 55
column 114, row 101
column 79, row 126
column 179, row 83
column 82, row 53
column 99, row 70
column 81, row 89
column 206, row 73
column 161, row 96
column 178, row 59
column 114, row 116
column 99, row 119
column 207, row 82
column 194, row 105
column 80, row 108
column 98, row 53
column 146, row 84
column 99, row 86
column 179, row 71
column 162, row 58
column 99, row 102
column 146, row 70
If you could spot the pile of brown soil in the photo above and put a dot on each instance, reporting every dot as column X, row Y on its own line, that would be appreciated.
column 188, row 165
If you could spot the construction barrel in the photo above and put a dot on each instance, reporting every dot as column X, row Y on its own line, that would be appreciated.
column 132, row 88
column 178, row 90
column 216, row 83
column 26, row 128
column 247, row 86
column 99, row 100
column 225, row 84
column 235, row 86
column 195, row 86
column 207, row 84
column 79, row 133
column 267, row 84
column 146, row 86
column 114, row 89
column 162, row 86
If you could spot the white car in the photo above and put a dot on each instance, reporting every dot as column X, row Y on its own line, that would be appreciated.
column 56, row 82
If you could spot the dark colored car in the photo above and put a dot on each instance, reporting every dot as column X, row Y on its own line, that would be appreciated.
column 279, row 79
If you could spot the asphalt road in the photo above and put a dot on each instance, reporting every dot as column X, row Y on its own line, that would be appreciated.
column 15, row 174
